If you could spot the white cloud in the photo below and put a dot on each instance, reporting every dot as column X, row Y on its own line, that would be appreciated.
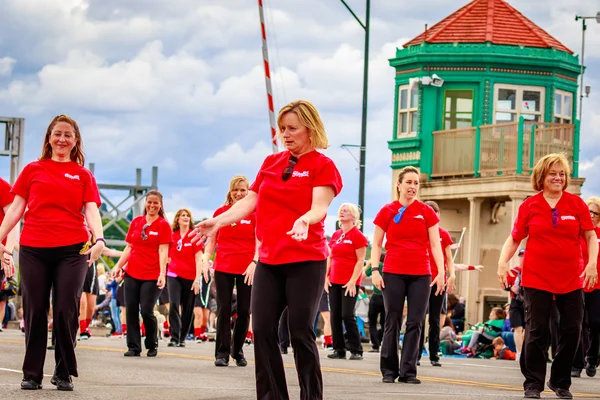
column 235, row 158
column 6, row 65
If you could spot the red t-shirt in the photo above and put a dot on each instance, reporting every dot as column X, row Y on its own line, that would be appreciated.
column 407, row 243
column 280, row 203
column 343, row 255
column 552, row 260
column 236, row 244
column 144, row 261
column 586, row 257
column 446, row 241
column 56, row 193
column 6, row 197
column 183, row 256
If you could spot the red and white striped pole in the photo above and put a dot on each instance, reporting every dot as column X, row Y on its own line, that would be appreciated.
column 268, row 77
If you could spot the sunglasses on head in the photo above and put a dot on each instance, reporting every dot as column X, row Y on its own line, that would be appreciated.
column 554, row 217
column 144, row 234
column 398, row 217
column 287, row 171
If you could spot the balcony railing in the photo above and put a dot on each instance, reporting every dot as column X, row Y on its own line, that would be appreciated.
column 501, row 149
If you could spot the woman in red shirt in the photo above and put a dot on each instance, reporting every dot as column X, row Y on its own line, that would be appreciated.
column 409, row 227
column 53, row 252
column 234, row 267
column 344, row 266
column 592, row 306
column 146, row 255
column 553, row 221
column 183, row 277
column 290, row 195
column 7, row 269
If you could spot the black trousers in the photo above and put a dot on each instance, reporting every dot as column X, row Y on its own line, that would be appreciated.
column 415, row 289
column 141, row 296
column 181, row 310
column 224, row 345
column 376, row 309
column 589, row 345
column 297, row 286
column 342, row 315
column 42, row 269
column 435, row 311
column 538, row 306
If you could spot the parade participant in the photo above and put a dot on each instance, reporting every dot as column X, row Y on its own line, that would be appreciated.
column 183, row 277
column 344, row 266
column 201, row 306
column 436, row 303
column 516, row 311
column 376, row 309
column 290, row 195
column 409, row 227
column 592, row 307
column 52, row 253
column 146, row 255
column 234, row 268
column 7, row 269
column 553, row 221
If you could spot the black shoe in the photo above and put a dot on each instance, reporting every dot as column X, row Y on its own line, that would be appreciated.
column 336, row 356
column 131, row 353
column 355, row 356
column 152, row 353
column 560, row 392
column 575, row 373
column 373, row 350
column 409, row 379
column 221, row 362
column 62, row 384
column 590, row 370
column 181, row 344
column 531, row 394
column 172, row 344
column 51, row 347
column 436, row 363
column 241, row 362
column 30, row 384
column 388, row 379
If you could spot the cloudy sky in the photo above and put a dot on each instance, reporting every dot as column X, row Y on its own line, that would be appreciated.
column 180, row 84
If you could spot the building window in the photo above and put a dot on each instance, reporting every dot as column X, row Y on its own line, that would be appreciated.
column 408, row 110
column 563, row 107
column 458, row 109
column 512, row 102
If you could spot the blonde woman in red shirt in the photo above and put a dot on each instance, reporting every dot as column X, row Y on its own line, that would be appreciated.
column 53, row 251
column 553, row 221
column 290, row 195
column 146, row 255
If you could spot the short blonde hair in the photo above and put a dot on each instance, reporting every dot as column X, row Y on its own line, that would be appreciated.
column 309, row 117
column 540, row 171
column 354, row 210
column 593, row 200
column 232, row 184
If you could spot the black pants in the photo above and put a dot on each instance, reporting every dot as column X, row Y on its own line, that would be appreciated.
column 435, row 311
column 181, row 297
column 342, row 315
column 538, row 306
column 376, row 309
column 224, row 345
column 589, row 345
column 415, row 289
column 42, row 269
column 284, row 330
column 297, row 286
column 141, row 296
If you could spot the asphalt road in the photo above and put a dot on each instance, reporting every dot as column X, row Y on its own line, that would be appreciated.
column 189, row 373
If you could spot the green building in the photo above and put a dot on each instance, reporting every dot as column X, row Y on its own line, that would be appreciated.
column 479, row 98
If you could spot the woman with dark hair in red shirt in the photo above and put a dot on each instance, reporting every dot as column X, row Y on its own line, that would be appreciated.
column 553, row 221
column 234, row 267
column 409, row 227
column 344, row 266
column 290, row 195
column 183, row 278
column 53, row 251
column 146, row 256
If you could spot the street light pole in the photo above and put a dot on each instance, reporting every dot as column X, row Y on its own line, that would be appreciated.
column 363, row 133
column 583, row 29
